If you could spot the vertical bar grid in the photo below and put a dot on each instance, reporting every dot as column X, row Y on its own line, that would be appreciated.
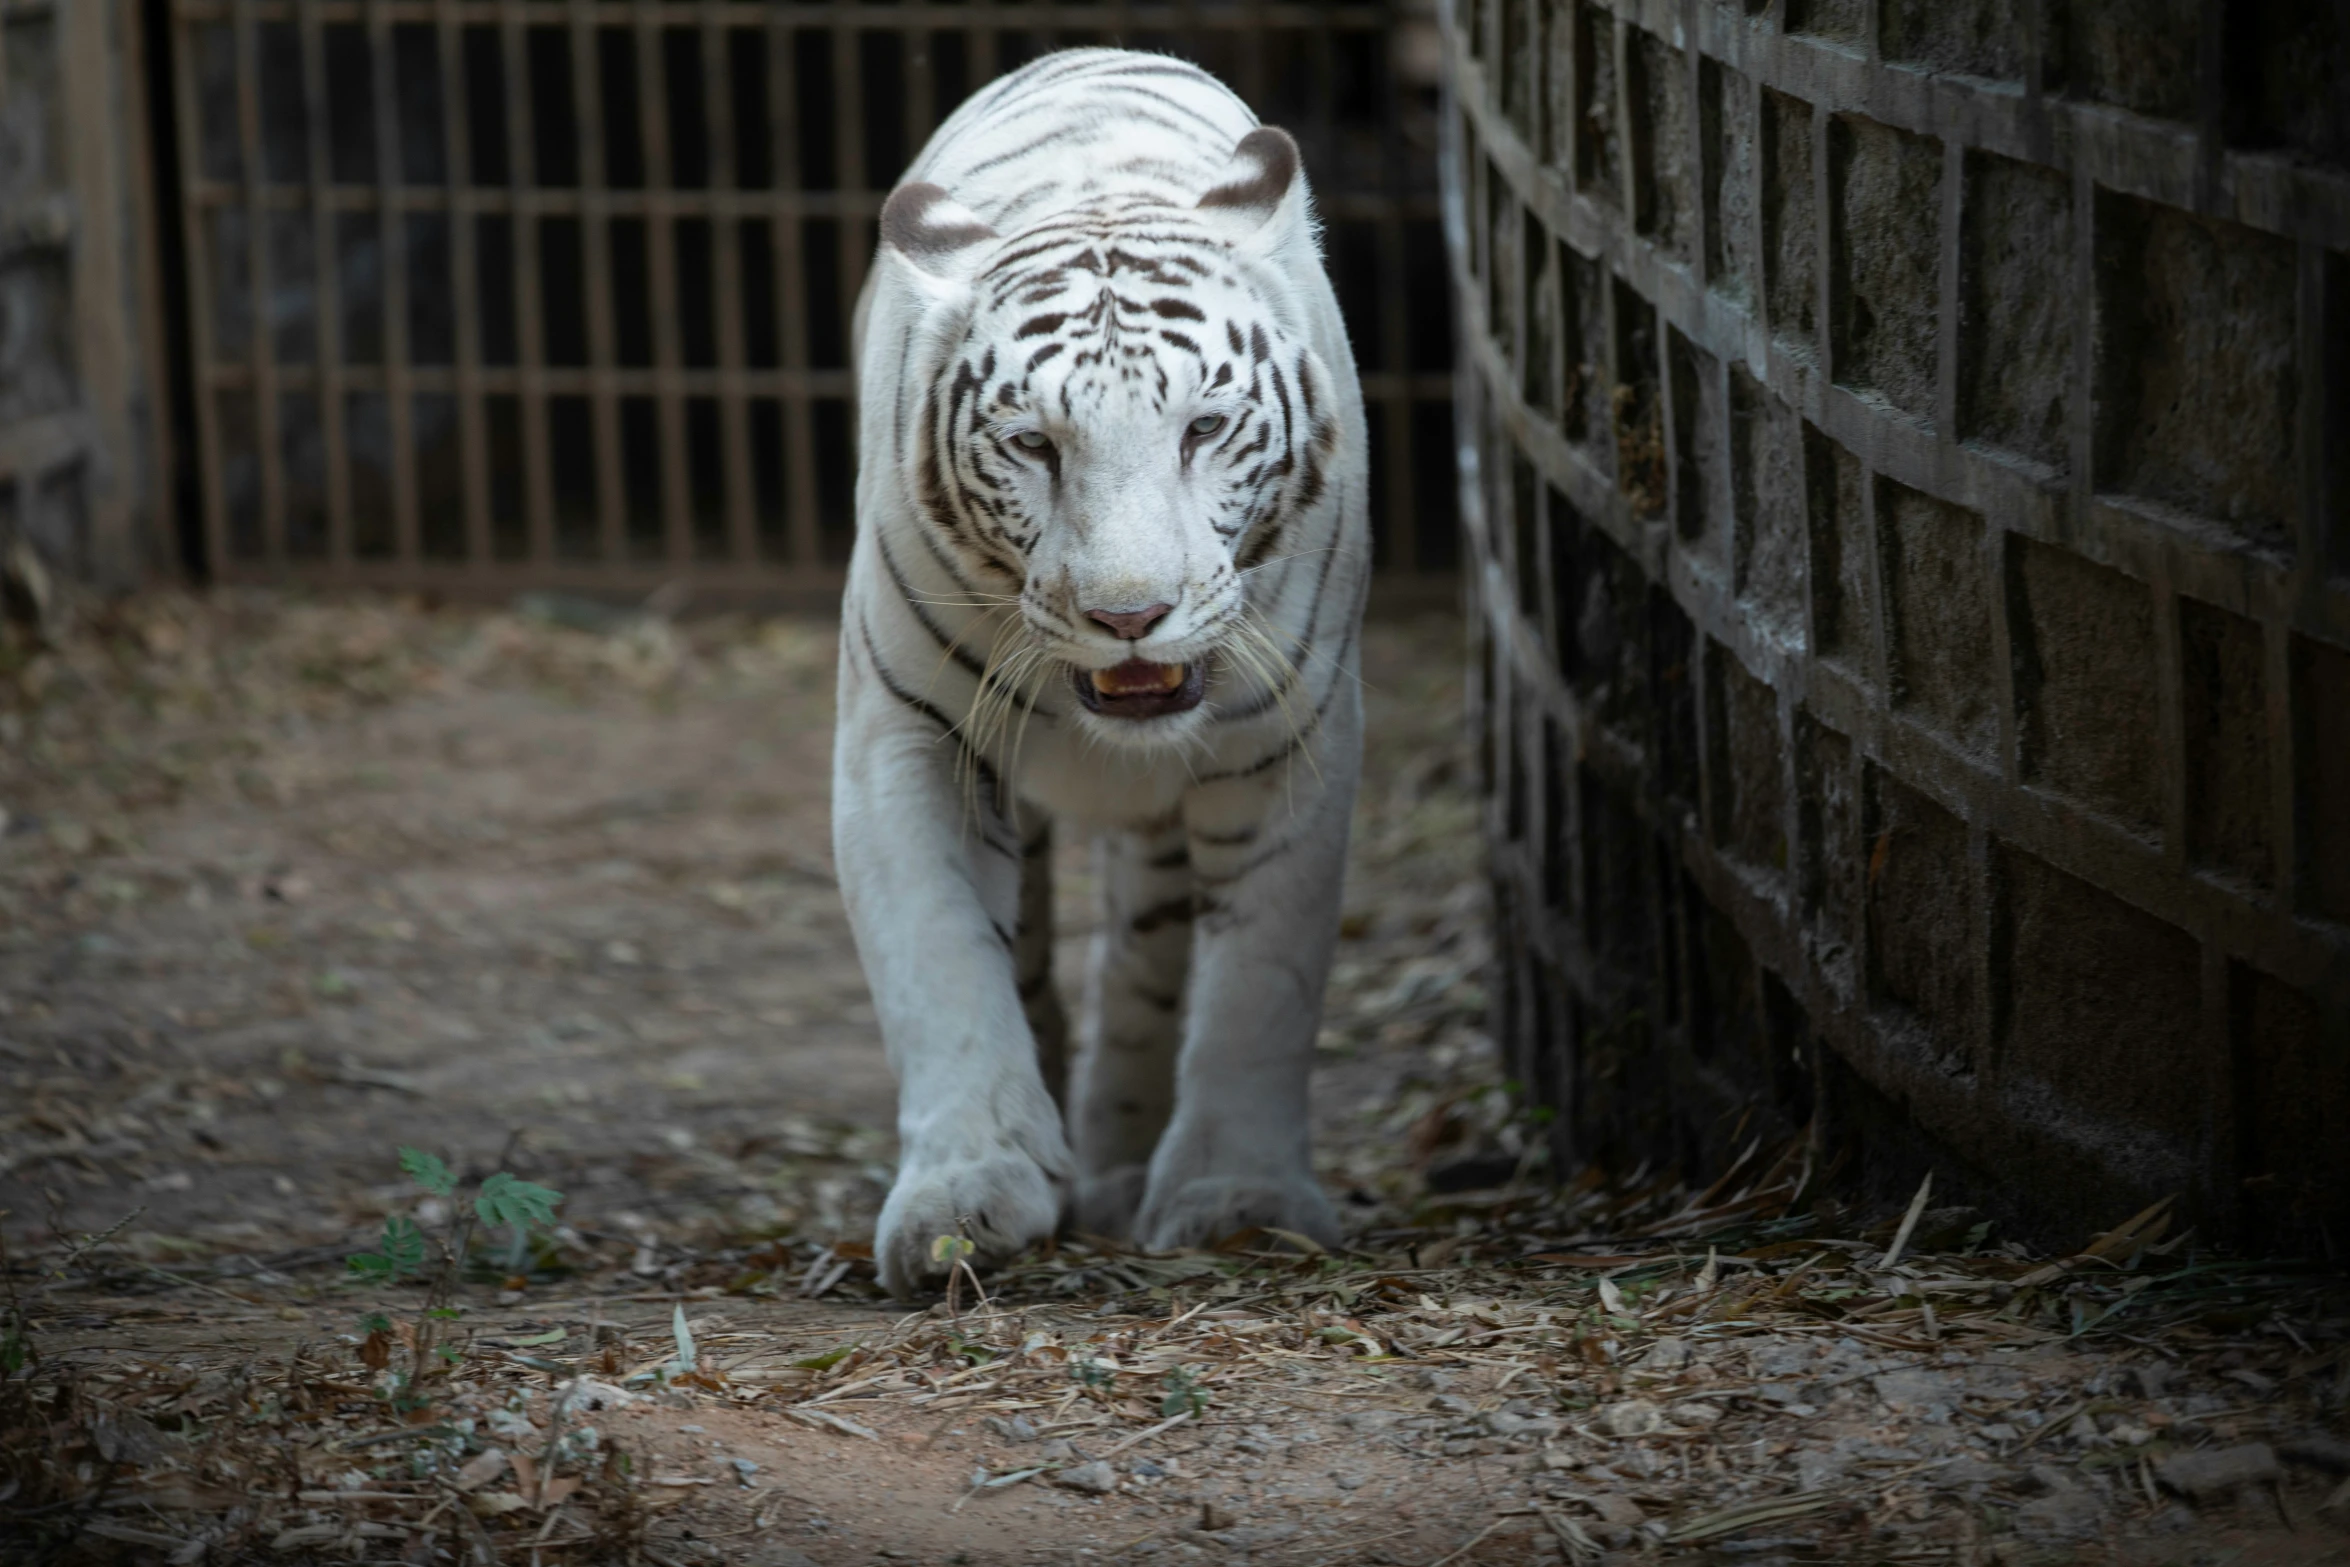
column 201, row 283
column 734, row 414
column 587, row 99
column 665, row 209
column 851, row 175
column 465, row 279
column 792, row 305
column 263, row 353
column 360, row 498
column 394, row 229
column 330, row 317
column 529, row 322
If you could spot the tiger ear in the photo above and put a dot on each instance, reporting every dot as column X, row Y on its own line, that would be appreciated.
column 933, row 231
column 1256, row 184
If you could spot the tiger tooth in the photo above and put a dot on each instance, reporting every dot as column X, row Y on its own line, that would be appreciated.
column 1138, row 677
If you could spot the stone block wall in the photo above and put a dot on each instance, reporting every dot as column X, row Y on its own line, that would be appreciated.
column 1907, row 456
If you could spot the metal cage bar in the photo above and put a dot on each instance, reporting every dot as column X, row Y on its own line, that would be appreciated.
column 655, row 219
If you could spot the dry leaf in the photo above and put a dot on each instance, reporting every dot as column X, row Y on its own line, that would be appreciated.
column 495, row 1504
column 482, row 1468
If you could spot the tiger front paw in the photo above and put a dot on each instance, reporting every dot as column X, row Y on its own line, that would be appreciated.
column 1206, row 1208
column 1004, row 1200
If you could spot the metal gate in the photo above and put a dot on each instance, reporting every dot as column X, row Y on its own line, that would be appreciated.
column 494, row 294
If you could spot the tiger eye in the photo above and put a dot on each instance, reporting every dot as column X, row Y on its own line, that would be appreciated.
column 1207, row 424
column 1031, row 441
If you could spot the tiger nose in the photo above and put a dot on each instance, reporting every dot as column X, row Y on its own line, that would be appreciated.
column 1130, row 625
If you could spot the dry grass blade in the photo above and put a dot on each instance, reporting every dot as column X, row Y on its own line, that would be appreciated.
column 1909, row 1223
column 1580, row 1548
column 826, row 1420
column 1733, row 1520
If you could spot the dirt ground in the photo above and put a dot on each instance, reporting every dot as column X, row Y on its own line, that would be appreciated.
column 286, row 885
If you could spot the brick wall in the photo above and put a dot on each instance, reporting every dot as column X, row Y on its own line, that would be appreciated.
column 1904, row 446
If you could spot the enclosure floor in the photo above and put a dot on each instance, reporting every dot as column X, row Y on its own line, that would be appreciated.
column 285, row 885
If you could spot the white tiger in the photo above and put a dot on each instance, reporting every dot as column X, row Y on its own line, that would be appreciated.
column 1110, row 563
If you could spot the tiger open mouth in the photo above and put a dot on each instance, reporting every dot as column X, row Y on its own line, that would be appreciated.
column 1139, row 688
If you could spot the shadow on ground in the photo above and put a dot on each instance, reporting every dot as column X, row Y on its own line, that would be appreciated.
column 286, row 885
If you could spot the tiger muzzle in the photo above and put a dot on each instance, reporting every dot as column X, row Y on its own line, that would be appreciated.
column 1139, row 688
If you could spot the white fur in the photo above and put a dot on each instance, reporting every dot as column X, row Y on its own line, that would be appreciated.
column 1184, row 1122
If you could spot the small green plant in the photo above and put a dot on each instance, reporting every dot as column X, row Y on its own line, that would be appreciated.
column 954, row 1253
column 1184, row 1394
column 401, row 1256
column 406, row 1251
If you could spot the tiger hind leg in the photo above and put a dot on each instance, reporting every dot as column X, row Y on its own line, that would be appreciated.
column 1125, row 1081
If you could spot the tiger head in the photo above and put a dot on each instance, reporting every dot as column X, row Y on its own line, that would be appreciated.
column 1122, row 416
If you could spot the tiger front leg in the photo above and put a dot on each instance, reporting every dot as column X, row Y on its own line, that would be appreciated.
column 1238, row 1151
column 1125, row 1083
column 932, row 884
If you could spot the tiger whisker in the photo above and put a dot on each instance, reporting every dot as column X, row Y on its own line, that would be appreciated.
column 1005, row 698
column 1020, row 735
column 977, row 601
column 1326, row 549
column 1249, row 628
column 1003, row 695
column 972, row 728
column 1249, row 646
column 949, row 651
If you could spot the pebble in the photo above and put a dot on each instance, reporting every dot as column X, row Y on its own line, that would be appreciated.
column 1632, row 1417
column 1927, row 1394
column 1017, row 1429
column 2069, row 1514
column 1666, row 1354
column 1817, row 1471
column 1093, row 1479
column 2218, row 1471
column 1968, row 1471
